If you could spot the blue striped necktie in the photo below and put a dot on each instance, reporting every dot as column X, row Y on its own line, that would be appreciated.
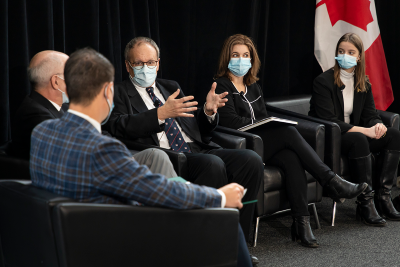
column 172, row 131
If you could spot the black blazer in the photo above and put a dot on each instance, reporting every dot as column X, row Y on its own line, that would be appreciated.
column 131, row 119
column 237, row 113
column 33, row 110
column 327, row 103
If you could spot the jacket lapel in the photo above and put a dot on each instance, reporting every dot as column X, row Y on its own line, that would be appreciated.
column 357, row 107
column 46, row 103
column 340, row 96
column 135, row 98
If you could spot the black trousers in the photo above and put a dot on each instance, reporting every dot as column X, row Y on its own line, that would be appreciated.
column 356, row 145
column 285, row 148
column 219, row 167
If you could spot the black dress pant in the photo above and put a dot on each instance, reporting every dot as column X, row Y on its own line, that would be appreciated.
column 357, row 145
column 285, row 148
column 219, row 167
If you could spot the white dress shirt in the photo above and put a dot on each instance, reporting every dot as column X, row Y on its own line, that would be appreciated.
column 55, row 105
column 92, row 121
column 348, row 93
column 162, row 138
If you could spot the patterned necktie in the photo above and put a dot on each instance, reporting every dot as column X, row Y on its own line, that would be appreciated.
column 172, row 132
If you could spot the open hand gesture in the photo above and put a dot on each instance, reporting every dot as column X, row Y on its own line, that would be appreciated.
column 214, row 101
column 176, row 107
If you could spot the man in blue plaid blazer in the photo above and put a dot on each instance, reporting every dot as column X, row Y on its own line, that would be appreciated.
column 70, row 156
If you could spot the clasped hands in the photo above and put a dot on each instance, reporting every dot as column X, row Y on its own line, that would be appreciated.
column 181, row 107
column 377, row 131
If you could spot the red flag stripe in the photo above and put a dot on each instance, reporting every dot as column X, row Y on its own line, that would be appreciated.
column 378, row 74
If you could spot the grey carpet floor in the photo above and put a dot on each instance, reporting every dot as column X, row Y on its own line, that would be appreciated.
column 348, row 243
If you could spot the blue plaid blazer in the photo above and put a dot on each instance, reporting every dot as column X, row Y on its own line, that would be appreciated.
column 71, row 158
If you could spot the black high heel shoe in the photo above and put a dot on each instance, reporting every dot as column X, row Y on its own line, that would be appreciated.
column 301, row 232
column 339, row 189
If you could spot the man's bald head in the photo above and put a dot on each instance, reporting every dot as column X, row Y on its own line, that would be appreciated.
column 44, row 65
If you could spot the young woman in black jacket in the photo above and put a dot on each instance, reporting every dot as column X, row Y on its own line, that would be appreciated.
column 343, row 95
column 283, row 145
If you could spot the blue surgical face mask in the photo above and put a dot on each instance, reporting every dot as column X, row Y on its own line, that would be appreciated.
column 346, row 62
column 239, row 66
column 111, row 107
column 144, row 77
column 65, row 98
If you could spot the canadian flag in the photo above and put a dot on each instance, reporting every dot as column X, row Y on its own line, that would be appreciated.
column 334, row 18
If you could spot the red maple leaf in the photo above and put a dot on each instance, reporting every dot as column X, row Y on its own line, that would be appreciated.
column 355, row 12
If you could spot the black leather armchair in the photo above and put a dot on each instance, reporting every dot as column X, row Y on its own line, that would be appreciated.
column 39, row 228
column 298, row 107
column 11, row 167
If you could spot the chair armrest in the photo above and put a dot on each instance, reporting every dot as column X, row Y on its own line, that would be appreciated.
column 253, row 142
column 178, row 159
column 312, row 132
column 228, row 140
column 122, row 235
column 333, row 136
column 390, row 119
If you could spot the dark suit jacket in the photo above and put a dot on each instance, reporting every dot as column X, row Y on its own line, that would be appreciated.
column 34, row 109
column 132, row 120
column 327, row 103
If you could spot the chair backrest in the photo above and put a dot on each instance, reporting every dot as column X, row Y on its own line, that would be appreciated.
column 296, row 103
column 26, row 229
column 13, row 168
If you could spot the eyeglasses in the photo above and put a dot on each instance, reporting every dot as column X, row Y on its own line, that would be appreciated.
column 151, row 64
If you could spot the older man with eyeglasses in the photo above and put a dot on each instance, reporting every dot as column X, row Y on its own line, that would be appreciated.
column 156, row 112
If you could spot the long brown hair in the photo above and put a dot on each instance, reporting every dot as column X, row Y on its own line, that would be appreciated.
column 225, row 57
column 361, row 79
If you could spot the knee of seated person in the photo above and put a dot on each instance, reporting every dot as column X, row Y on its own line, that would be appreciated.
column 251, row 157
column 213, row 162
column 159, row 154
column 290, row 132
column 289, row 157
column 394, row 135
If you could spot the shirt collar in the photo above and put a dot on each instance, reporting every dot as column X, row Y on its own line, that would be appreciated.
column 95, row 123
column 55, row 105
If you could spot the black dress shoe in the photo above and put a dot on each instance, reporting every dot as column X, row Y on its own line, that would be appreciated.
column 301, row 232
column 339, row 189
column 254, row 260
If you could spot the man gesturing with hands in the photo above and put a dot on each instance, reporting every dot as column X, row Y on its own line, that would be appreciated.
column 156, row 112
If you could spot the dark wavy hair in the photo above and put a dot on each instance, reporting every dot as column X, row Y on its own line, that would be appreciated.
column 225, row 57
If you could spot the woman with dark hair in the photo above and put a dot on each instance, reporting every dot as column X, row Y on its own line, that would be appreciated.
column 283, row 145
column 343, row 95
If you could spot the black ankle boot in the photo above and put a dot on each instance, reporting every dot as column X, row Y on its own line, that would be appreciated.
column 383, row 197
column 361, row 170
column 301, row 232
column 396, row 203
column 366, row 211
column 339, row 189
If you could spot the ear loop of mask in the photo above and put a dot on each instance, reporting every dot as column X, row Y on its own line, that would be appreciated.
column 109, row 104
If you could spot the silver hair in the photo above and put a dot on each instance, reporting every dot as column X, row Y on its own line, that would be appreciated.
column 40, row 74
column 138, row 40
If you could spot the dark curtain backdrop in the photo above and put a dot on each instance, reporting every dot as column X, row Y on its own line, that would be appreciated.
column 190, row 34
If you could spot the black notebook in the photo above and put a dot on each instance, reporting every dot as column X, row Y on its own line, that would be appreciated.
column 272, row 120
